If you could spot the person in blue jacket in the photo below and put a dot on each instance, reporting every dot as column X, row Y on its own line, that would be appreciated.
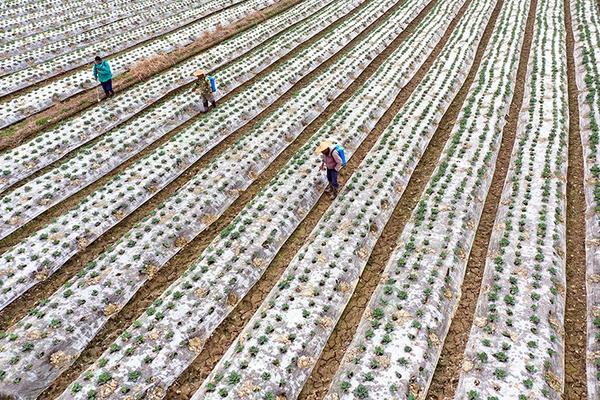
column 103, row 74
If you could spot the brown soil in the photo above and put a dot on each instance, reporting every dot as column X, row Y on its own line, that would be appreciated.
column 331, row 357
column 575, row 310
column 16, row 134
column 447, row 372
column 177, row 265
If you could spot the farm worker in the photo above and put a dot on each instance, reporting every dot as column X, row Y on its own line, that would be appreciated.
column 203, row 87
column 331, row 161
column 103, row 74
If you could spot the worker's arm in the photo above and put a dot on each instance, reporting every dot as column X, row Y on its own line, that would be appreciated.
column 338, row 160
column 322, row 167
column 95, row 72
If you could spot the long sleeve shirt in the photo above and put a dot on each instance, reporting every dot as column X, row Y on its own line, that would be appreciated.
column 102, row 72
column 332, row 160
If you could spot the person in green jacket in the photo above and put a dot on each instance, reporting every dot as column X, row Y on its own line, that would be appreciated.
column 103, row 74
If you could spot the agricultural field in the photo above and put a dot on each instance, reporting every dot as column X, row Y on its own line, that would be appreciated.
column 153, row 249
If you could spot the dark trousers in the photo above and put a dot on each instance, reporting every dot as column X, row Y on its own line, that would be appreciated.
column 332, row 176
column 107, row 86
column 209, row 99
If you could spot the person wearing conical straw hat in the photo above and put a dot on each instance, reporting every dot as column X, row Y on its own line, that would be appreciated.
column 203, row 88
column 332, row 162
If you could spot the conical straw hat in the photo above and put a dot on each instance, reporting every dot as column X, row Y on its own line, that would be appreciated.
column 324, row 145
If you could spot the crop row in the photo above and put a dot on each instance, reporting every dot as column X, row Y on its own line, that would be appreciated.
column 11, row 8
column 83, row 33
column 15, row 15
column 75, row 51
column 46, row 252
column 400, row 336
column 53, row 29
column 110, row 281
column 515, row 347
column 18, row 7
column 19, row 23
column 156, row 122
column 82, row 78
column 586, row 23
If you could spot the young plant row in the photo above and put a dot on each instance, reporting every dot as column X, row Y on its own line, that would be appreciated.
column 47, row 25
column 65, row 38
column 41, row 46
column 399, row 338
column 586, row 31
column 50, row 146
column 15, row 8
column 40, row 8
column 19, row 13
column 75, row 51
column 120, row 63
column 516, row 345
column 106, row 284
column 236, row 260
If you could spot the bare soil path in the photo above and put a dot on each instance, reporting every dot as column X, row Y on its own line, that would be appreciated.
column 575, row 312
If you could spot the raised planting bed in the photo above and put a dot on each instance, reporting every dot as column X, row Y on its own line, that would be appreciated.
column 75, row 51
column 65, row 38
